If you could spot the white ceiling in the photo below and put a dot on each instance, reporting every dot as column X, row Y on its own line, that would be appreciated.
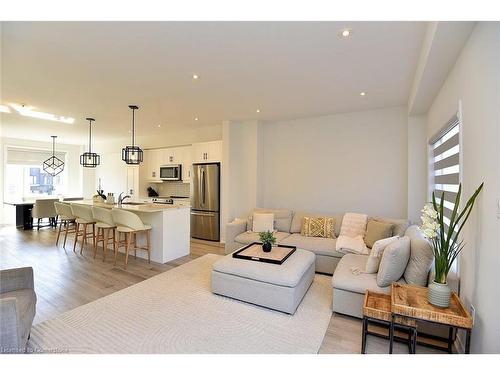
column 287, row 69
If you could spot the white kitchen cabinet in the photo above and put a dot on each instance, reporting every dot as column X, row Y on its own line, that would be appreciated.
column 133, row 182
column 151, row 165
column 206, row 152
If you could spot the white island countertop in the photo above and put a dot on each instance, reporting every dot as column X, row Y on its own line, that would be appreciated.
column 170, row 227
column 135, row 206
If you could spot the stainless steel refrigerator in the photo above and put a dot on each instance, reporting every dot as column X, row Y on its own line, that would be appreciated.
column 205, row 197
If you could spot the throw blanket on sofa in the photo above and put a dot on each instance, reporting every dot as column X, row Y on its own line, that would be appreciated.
column 352, row 232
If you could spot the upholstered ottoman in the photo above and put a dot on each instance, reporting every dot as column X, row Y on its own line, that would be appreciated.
column 278, row 287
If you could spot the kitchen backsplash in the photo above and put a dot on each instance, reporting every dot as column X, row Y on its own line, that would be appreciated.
column 169, row 188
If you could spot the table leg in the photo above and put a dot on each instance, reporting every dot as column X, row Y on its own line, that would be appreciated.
column 450, row 340
column 467, row 341
column 363, row 336
column 391, row 334
column 414, row 341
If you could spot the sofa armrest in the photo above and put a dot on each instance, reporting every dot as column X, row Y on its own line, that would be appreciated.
column 15, row 279
column 237, row 226
column 10, row 336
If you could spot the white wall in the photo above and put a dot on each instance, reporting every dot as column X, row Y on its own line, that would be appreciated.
column 475, row 81
column 417, row 166
column 113, row 174
column 332, row 164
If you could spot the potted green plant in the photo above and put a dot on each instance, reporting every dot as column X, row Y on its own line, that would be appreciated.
column 445, row 241
column 268, row 240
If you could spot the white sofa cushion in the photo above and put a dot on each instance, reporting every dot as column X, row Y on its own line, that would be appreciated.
column 394, row 261
column 263, row 222
column 344, row 279
column 249, row 237
column 282, row 218
column 318, row 245
column 375, row 256
column 421, row 257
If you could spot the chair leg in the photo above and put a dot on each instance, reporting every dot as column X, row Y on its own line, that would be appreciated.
column 84, row 238
column 115, row 247
column 38, row 225
column 129, row 238
column 66, row 226
column 105, row 244
column 93, row 234
column 77, row 231
column 94, row 248
column 59, row 233
column 135, row 245
column 148, row 244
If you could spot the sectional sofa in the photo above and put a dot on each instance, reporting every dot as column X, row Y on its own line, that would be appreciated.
column 348, row 287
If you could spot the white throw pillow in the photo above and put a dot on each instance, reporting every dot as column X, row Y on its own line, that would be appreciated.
column 345, row 244
column 375, row 256
column 263, row 222
column 394, row 261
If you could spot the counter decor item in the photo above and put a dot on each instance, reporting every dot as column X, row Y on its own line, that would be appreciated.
column 97, row 199
column 268, row 240
column 111, row 198
column 445, row 240
column 152, row 192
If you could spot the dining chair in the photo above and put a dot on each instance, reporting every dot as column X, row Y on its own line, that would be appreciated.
column 44, row 208
column 130, row 224
column 84, row 218
column 105, row 225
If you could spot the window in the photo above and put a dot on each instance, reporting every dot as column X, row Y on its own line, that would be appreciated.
column 445, row 165
column 25, row 177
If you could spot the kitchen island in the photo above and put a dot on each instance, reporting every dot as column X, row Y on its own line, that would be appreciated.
column 170, row 232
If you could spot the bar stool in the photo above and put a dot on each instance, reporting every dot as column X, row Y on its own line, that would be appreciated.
column 67, row 218
column 130, row 224
column 104, row 224
column 84, row 218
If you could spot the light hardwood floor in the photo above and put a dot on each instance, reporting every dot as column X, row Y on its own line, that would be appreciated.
column 65, row 280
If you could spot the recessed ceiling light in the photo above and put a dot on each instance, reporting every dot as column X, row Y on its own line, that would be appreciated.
column 195, row 76
column 362, row 93
column 196, row 119
column 29, row 112
column 258, row 111
column 4, row 108
column 159, row 126
column 345, row 33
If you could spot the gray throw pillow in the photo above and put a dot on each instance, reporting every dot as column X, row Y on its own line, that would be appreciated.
column 394, row 261
column 421, row 257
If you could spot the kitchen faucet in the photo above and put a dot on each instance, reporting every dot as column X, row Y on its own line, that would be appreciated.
column 121, row 199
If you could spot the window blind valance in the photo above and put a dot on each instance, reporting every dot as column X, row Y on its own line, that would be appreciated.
column 26, row 156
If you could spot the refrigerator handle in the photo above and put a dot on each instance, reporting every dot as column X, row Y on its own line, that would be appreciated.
column 203, row 186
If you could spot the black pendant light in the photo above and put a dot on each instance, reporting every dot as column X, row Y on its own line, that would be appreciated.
column 53, row 165
column 90, row 159
column 132, row 154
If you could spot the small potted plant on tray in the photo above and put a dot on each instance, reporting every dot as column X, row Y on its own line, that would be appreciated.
column 268, row 240
column 445, row 241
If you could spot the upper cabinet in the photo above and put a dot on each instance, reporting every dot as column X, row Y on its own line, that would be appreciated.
column 207, row 152
column 151, row 165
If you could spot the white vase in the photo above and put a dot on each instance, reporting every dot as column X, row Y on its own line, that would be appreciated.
column 439, row 294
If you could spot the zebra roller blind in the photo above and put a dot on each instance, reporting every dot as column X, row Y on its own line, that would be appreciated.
column 446, row 165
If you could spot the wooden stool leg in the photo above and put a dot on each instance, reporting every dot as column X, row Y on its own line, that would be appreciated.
column 135, row 245
column 59, row 232
column 76, row 236
column 148, row 244
column 129, row 238
column 93, row 234
column 94, row 248
column 66, row 225
column 116, row 246
column 84, row 238
column 105, row 244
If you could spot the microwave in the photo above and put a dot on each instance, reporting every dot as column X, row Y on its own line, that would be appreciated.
column 171, row 172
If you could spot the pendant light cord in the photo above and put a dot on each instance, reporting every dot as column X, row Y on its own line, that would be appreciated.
column 53, row 145
column 90, row 136
column 133, row 126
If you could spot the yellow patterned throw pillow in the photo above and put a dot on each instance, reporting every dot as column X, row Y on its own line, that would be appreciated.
column 318, row 227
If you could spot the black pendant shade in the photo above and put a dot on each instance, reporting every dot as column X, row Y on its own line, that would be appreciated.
column 53, row 165
column 90, row 159
column 132, row 154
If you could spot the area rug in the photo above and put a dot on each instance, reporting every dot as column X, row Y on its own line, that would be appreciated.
column 175, row 312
